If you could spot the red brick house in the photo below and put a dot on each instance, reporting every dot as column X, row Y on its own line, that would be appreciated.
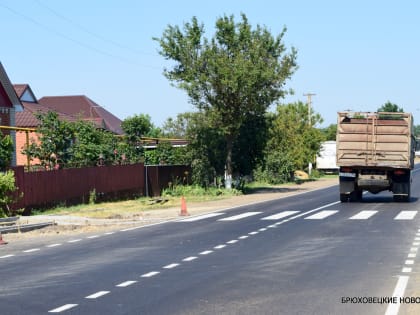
column 9, row 105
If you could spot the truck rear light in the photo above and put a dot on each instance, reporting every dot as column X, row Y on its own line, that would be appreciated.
column 399, row 172
column 346, row 169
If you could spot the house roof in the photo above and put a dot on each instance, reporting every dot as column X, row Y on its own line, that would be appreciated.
column 27, row 118
column 7, row 89
column 82, row 107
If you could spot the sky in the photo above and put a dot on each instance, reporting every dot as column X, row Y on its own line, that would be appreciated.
column 353, row 55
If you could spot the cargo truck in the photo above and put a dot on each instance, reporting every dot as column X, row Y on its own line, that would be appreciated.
column 375, row 152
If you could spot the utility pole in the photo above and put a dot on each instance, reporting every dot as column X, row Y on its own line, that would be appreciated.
column 309, row 102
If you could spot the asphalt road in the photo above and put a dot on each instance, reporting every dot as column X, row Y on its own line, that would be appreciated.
column 305, row 254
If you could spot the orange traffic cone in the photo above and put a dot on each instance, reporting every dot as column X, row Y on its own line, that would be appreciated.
column 184, row 211
column 1, row 240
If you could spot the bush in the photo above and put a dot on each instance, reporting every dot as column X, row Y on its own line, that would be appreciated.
column 7, row 190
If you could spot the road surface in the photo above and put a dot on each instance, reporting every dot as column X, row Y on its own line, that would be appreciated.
column 304, row 254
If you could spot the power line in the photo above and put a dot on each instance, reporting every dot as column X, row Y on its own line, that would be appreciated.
column 86, row 30
column 68, row 38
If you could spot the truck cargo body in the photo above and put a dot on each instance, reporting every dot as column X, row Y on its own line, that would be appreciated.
column 375, row 152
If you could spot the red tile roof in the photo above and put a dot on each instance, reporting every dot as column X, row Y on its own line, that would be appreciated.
column 80, row 106
column 27, row 118
column 20, row 89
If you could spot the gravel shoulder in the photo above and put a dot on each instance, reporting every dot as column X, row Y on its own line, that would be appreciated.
column 74, row 225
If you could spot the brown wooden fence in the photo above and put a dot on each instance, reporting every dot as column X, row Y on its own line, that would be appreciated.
column 70, row 186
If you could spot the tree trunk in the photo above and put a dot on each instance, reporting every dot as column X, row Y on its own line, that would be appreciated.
column 228, row 170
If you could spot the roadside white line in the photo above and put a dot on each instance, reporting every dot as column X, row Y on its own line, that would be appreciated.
column 7, row 256
column 62, row 308
column 206, row 252
column 97, row 295
column 54, row 245
column 126, row 283
column 74, row 241
column 171, row 266
column 31, row 250
column 406, row 215
column 219, row 246
column 399, row 293
column 363, row 215
column 191, row 258
column 240, row 216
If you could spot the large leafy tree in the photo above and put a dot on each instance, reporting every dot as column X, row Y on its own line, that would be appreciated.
column 236, row 74
column 293, row 141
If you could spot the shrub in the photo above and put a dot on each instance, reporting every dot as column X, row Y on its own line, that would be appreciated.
column 7, row 192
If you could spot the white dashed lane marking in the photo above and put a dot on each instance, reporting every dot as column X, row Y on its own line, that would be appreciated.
column 62, row 308
column 202, row 217
column 280, row 215
column 363, row 215
column 97, row 295
column 171, row 266
column 321, row 215
column 406, row 215
column 150, row 274
column 126, row 283
column 240, row 216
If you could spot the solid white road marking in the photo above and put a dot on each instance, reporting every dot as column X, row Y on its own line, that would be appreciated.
column 126, row 283
column 97, row 294
column 150, row 274
column 62, row 308
column 239, row 216
column 202, row 217
column 280, row 215
column 31, row 250
column 399, row 293
column 406, row 215
column 321, row 215
column 363, row 215
column 191, row 258
column 171, row 266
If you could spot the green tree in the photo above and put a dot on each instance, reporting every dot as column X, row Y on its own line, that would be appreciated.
column 55, row 141
column 135, row 128
column 293, row 142
column 91, row 145
column 330, row 132
column 239, row 72
column 390, row 107
column 6, row 151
